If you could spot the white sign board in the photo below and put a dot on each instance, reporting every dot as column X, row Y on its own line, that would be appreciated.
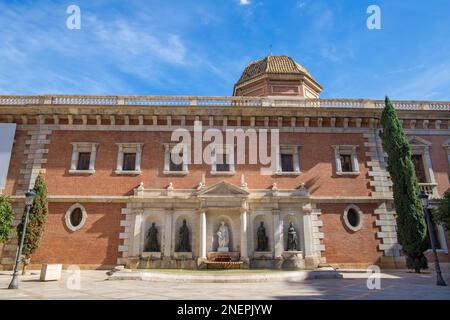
column 7, row 131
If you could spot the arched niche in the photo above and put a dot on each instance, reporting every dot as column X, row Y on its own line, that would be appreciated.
column 149, row 218
column 176, row 231
column 295, row 219
column 268, row 224
column 232, row 231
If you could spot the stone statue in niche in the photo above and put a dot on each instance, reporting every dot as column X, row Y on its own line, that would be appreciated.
column 152, row 239
column 184, row 245
column 262, row 238
column 223, row 238
column 292, row 238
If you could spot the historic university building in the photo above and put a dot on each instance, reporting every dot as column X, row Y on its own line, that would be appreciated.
column 118, row 195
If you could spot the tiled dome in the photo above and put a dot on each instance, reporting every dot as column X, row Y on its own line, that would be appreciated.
column 272, row 65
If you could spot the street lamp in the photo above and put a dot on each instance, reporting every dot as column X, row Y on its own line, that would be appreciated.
column 424, row 198
column 29, row 198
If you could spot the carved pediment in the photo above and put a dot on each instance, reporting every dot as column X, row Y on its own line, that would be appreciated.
column 223, row 189
column 417, row 141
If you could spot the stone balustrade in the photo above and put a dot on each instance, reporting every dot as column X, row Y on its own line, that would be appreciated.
column 180, row 101
column 430, row 189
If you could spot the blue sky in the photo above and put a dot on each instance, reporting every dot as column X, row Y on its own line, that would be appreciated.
column 200, row 47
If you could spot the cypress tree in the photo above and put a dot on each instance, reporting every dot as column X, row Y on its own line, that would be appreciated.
column 36, row 220
column 6, row 219
column 411, row 225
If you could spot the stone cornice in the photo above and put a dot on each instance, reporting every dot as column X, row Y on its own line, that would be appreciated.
column 194, row 199
column 170, row 112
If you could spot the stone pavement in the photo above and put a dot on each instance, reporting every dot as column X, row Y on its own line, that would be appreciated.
column 93, row 285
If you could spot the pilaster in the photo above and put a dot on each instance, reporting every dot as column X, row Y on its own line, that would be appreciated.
column 168, row 234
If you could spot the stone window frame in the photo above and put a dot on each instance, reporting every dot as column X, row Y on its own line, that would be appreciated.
column 346, row 150
column 227, row 149
column 129, row 147
column 441, row 236
column 360, row 215
column 69, row 212
column 167, row 149
column 421, row 147
column 294, row 150
column 81, row 147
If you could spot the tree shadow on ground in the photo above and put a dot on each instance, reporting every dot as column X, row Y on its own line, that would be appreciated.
column 405, row 286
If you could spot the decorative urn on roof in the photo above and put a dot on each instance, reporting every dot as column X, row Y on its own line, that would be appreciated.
column 276, row 76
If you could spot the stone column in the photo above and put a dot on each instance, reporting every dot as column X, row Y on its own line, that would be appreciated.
column 202, row 251
column 244, row 235
column 168, row 234
column 136, row 235
column 278, row 234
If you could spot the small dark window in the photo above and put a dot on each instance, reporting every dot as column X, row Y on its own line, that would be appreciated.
column 222, row 164
column 76, row 216
column 129, row 162
column 176, row 166
column 353, row 218
column 346, row 163
column 419, row 168
column 84, row 159
column 287, row 163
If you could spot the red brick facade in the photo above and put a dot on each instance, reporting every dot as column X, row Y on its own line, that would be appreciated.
column 119, row 209
column 349, row 248
column 316, row 164
column 93, row 246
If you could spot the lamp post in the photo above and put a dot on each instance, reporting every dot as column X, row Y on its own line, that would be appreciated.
column 29, row 198
column 424, row 198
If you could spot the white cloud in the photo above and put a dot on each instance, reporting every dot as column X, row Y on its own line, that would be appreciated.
column 300, row 4
column 42, row 56
column 431, row 83
column 244, row 2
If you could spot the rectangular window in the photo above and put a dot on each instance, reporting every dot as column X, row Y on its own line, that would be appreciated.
column 222, row 164
column 176, row 159
column 346, row 160
column 419, row 168
column 346, row 163
column 287, row 162
column 175, row 167
column 84, row 159
column 129, row 162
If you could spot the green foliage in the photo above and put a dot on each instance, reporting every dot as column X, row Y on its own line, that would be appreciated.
column 411, row 225
column 6, row 219
column 36, row 219
column 442, row 213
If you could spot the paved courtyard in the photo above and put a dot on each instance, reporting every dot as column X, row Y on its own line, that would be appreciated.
column 94, row 285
